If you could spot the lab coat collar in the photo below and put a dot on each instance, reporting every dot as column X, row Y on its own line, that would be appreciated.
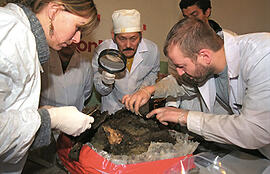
column 138, row 58
column 142, row 47
column 208, row 90
column 232, row 54
column 113, row 45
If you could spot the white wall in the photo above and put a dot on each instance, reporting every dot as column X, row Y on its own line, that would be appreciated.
column 240, row 16
column 157, row 15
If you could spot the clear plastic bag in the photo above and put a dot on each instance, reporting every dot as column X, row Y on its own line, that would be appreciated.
column 203, row 163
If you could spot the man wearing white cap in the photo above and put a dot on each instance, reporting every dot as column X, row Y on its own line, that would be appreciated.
column 142, row 61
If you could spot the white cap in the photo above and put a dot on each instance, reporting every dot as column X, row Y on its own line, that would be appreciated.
column 126, row 21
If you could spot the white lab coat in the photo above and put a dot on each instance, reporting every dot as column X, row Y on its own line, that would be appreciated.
column 143, row 72
column 192, row 100
column 19, row 88
column 248, row 60
column 71, row 88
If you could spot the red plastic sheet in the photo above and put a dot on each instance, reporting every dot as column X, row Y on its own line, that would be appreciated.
column 92, row 162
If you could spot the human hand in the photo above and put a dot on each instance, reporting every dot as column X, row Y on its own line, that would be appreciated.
column 69, row 120
column 107, row 78
column 169, row 114
column 136, row 100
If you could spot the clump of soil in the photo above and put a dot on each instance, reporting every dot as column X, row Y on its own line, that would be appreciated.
column 132, row 138
column 125, row 133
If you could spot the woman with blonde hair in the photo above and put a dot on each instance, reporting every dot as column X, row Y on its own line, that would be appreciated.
column 27, row 30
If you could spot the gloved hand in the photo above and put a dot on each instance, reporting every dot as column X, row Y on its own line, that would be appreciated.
column 69, row 120
column 107, row 78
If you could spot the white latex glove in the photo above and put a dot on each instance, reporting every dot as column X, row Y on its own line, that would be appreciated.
column 69, row 120
column 107, row 78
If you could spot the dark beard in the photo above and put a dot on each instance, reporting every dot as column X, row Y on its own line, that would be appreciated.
column 195, row 82
column 203, row 74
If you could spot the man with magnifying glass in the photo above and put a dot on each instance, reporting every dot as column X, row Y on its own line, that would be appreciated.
column 142, row 61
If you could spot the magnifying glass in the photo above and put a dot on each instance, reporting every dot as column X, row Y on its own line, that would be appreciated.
column 112, row 61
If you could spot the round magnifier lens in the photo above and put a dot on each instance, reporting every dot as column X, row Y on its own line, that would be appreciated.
column 112, row 61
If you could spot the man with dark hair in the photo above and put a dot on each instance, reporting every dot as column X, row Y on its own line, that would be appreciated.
column 200, row 9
